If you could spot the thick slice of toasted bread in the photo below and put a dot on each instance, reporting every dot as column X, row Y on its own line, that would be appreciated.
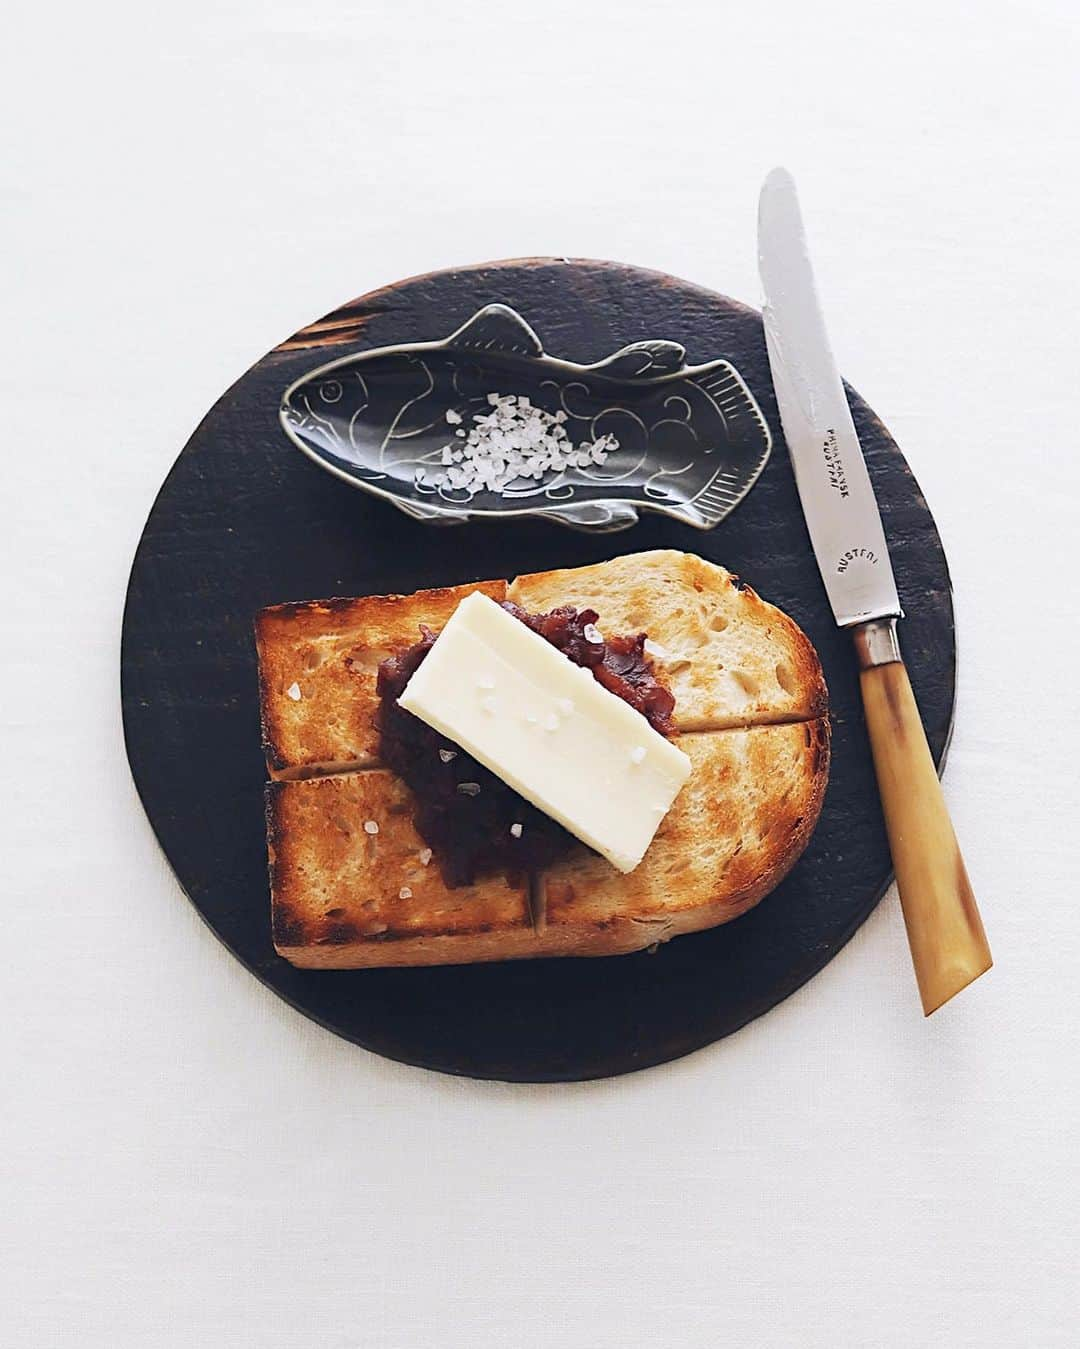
column 318, row 663
column 344, row 896
column 735, row 831
column 750, row 712
column 730, row 658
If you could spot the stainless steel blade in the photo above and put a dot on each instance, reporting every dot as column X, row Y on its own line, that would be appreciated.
column 830, row 472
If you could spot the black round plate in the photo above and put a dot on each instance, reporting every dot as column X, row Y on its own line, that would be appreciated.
column 244, row 520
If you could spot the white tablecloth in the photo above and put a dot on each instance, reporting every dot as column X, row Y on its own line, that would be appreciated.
column 187, row 1161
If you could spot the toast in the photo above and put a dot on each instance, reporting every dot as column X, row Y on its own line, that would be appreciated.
column 729, row 657
column 345, row 898
column 750, row 711
column 318, row 663
column 735, row 831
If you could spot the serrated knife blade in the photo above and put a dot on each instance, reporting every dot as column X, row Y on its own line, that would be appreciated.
column 948, row 944
column 830, row 472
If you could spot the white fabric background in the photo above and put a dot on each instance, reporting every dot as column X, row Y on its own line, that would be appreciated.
column 186, row 1161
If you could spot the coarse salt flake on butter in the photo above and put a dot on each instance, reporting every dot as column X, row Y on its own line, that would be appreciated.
column 501, row 692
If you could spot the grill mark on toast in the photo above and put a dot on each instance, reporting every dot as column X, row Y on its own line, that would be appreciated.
column 344, row 769
column 536, row 898
column 715, row 726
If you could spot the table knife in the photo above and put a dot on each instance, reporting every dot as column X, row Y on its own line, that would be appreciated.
column 948, row 944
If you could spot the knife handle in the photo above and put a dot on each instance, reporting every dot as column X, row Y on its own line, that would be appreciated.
column 948, row 943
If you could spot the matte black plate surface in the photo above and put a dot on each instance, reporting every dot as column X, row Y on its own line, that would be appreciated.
column 243, row 520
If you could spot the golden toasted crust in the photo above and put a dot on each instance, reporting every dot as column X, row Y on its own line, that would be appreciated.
column 730, row 658
column 336, row 888
column 328, row 652
column 734, row 832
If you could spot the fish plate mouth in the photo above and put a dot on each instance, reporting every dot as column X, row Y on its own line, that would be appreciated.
column 684, row 441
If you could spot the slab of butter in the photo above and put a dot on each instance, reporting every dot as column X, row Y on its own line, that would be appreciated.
column 548, row 729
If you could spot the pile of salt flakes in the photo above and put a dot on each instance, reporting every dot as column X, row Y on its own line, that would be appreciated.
column 514, row 441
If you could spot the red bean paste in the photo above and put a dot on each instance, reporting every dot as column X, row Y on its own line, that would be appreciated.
column 466, row 814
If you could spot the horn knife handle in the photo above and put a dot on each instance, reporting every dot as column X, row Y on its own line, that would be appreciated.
column 948, row 943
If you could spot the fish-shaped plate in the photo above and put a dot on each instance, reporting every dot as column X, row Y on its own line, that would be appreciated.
column 691, row 439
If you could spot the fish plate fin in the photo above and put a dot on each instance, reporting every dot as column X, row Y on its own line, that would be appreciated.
column 643, row 360
column 496, row 327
